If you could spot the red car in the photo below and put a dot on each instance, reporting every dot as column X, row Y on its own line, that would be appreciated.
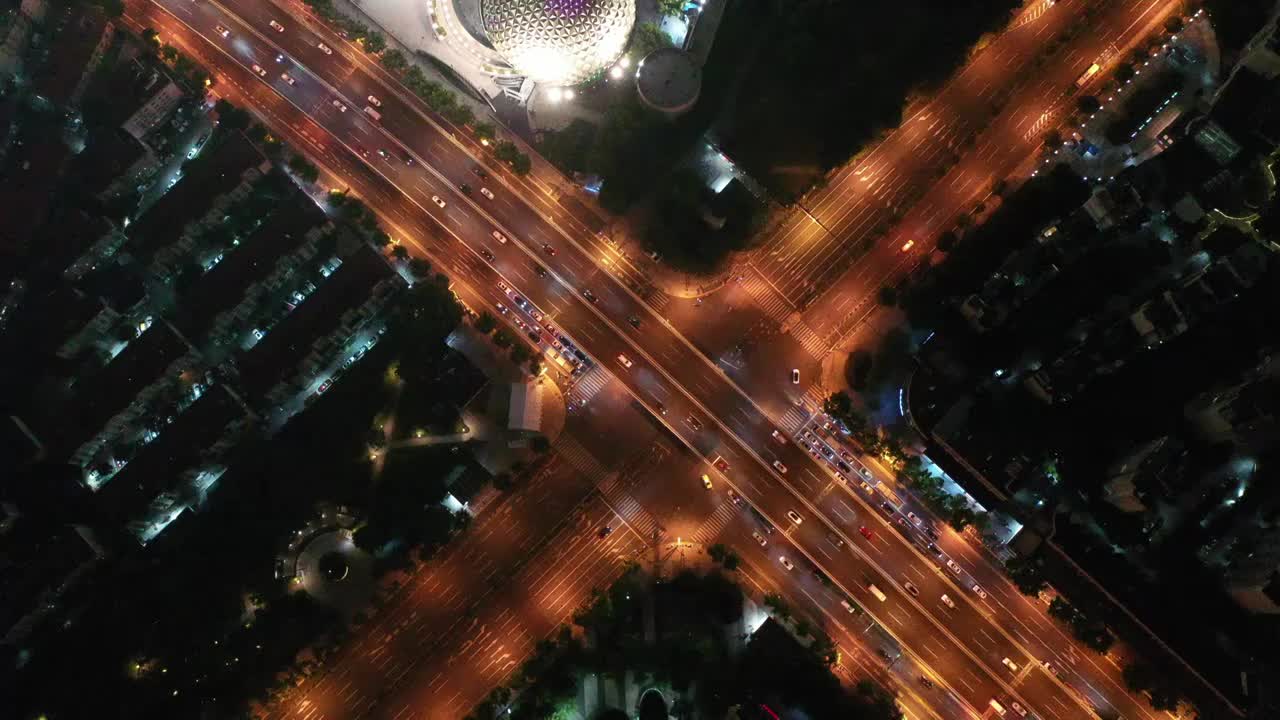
column 866, row 532
column 721, row 465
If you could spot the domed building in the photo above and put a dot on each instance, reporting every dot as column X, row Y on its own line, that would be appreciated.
column 558, row 42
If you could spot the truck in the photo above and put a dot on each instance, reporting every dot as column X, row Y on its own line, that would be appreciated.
column 368, row 110
column 1088, row 74
column 876, row 592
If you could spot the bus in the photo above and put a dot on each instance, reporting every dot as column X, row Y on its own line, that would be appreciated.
column 876, row 591
column 1087, row 74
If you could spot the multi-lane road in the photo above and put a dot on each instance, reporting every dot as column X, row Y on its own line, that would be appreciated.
column 963, row 646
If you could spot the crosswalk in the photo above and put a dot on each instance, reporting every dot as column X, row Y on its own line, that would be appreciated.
column 710, row 529
column 590, row 384
column 628, row 508
column 658, row 300
column 813, row 343
column 572, row 452
column 792, row 420
column 770, row 301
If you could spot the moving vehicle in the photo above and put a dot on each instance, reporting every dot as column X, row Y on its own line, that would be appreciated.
column 436, row 199
column 777, row 465
column 706, row 481
column 287, row 78
column 835, row 539
column 995, row 705
column 786, row 563
column 1088, row 74
column 914, row 518
column 325, row 48
column 977, row 589
column 279, row 57
column 906, row 246
column 696, row 424
column 222, row 31
column 484, row 253
column 795, row 517
column 759, row 538
column 486, row 192
column 848, row 606
column 877, row 593
column 866, row 532
column 590, row 296
column 546, row 248
column 1022, row 712
column 338, row 104
column 1009, row 664
column 782, row 439
column 276, row 26
column 372, row 113
column 258, row 69
column 946, row 600
column 374, row 101
column 634, row 321
column 604, row 531
column 953, row 566
column 499, row 237
column 915, row 591
column 626, row 363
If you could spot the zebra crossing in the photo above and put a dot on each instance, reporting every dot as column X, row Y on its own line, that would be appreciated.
column 658, row 300
column 770, row 301
column 715, row 524
column 792, row 420
column 627, row 508
column 572, row 452
column 590, row 384
column 813, row 343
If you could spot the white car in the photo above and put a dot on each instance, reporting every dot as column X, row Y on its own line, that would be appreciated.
column 374, row 101
column 276, row 26
column 325, row 48
column 953, row 566
column 977, row 589
column 786, row 563
column 777, row 465
column 795, row 517
column 1022, row 712
column 499, row 237
column 222, row 31
column 847, row 606
column 338, row 104
column 259, row 70
column 795, row 376
column 485, row 192
column 948, row 602
column 1009, row 664
column 626, row 362
column 287, row 78
column 759, row 538
column 436, row 199
column 914, row 518
column 780, row 437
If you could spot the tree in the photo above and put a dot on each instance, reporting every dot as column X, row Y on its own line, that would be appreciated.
column 395, row 61
column 230, row 116
column 400, row 252
column 520, row 353
column 540, row 444
column 485, row 131
column 459, row 114
column 486, row 322
column 375, row 43
column 725, row 556
column 150, row 35
column 303, row 168
column 673, row 8
column 503, row 481
column 648, row 37
column 1088, row 104
column 1052, row 140
column 1026, row 575
column 419, row 267
column 947, row 241
column 502, row 338
column 168, row 52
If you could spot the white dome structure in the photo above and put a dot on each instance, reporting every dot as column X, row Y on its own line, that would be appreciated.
column 559, row 42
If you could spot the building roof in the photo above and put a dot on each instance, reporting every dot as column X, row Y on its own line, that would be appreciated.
column 157, row 468
column 76, row 33
column 30, row 178
column 222, row 287
column 108, row 155
column 51, row 319
column 99, row 398
column 37, row 560
column 290, row 340
column 215, row 172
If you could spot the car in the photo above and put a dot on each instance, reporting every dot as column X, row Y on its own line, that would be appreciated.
column 259, row 70
column 806, row 446
column 840, row 477
column 846, row 455
column 325, row 48
column 786, row 563
column 935, row 549
column 626, row 363
column 383, row 154
column 844, row 466
column 694, row 422
column 795, row 376
column 499, row 237
column 953, row 566
column 794, row 517
column 827, row 452
column 276, row 26
column 486, row 192
column 908, row 245
column 848, row 606
column 706, row 481
column 374, row 101
column 759, row 538
column 484, row 253
column 634, row 321
column 537, row 316
column 465, row 189
column 1022, row 712
column 946, row 600
column 662, row 409
column 590, row 296
column 287, row 78
column 338, row 104
column 604, row 531
column 408, row 159
column 1009, row 664
column 520, row 302
column 926, row 682
column 887, row 508
column 1053, row 669
column 734, row 498
column 502, row 309
column 436, row 199
column 328, row 383
column 546, row 248
column 863, row 471
column 480, row 172
column 535, row 336
column 806, row 435
column 933, row 534
column 866, row 486
column 504, row 288
column 721, row 464
column 915, row 591
column 866, row 532
column 914, row 518
column 222, row 31
column 777, row 465
column 977, row 590
column 835, row 539
column 280, row 57
column 782, row 439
